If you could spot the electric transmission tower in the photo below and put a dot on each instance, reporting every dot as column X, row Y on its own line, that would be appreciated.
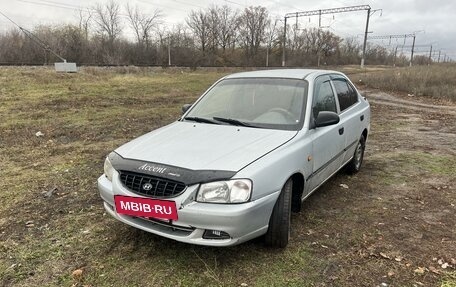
column 404, row 36
column 328, row 11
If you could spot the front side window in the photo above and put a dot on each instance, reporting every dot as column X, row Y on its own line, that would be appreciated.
column 324, row 99
column 274, row 103
column 345, row 93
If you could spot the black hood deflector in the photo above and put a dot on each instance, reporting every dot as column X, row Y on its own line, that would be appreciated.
column 184, row 175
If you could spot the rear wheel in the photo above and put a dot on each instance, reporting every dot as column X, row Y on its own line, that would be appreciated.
column 355, row 164
column 279, row 224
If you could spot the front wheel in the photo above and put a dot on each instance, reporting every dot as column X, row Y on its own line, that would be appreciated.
column 355, row 164
column 279, row 224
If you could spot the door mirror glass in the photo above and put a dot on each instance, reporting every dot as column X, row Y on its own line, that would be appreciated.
column 326, row 118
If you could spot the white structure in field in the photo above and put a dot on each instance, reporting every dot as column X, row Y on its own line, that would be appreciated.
column 65, row 67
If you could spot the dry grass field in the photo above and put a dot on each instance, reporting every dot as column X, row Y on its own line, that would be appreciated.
column 437, row 81
column 394, row 224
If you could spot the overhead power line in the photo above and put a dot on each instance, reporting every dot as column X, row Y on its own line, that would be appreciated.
column 320, row 12
column 189, row 4
column 400, row 36
column 48, row 4
column 87, row 9
column 284, row 4
column 409, row 46
column 160, row 5
column 328, row 11
column 9, row 19
column 65, row 4
column 232, row 2
column 34, row 38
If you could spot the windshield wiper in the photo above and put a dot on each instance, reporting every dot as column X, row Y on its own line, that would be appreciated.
column 201, row 120
column 234, row 122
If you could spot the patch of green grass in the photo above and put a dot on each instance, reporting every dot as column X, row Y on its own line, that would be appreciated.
column 434, row 163
column 449, row 280
column 414, row 162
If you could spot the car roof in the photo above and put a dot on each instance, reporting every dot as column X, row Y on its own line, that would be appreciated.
column 281, row 73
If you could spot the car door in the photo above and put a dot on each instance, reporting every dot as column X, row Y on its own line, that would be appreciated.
column 327, row 142
column 350, row 113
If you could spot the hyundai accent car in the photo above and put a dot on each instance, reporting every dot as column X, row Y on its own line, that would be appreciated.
column 240, row 159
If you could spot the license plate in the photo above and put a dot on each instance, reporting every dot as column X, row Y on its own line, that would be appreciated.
column 145, row 207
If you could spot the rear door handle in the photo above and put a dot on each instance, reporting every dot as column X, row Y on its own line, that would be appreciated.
column 361, row 117
column 341, row 131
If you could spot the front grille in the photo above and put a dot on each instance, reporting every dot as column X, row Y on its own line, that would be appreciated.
column 160, row 187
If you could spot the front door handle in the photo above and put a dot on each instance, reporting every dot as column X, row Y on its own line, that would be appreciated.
column 341, row 131
column 361, row 117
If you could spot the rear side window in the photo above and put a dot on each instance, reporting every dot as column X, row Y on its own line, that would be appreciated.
column 324, row 99
column 345, row 93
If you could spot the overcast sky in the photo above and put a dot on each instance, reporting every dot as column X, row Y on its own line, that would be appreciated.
column 432, row 20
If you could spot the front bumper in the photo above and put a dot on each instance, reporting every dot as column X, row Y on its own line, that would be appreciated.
column 241, row 221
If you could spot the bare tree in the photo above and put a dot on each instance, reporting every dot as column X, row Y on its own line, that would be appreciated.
column 218, row 35
column 213, row 25
column 378, row 54
column 199, row 24
column 350, row 51
column 143, row 24
column 271, row 35
column 85, row 18
column 12, row 47
column 294, row 43
column 253, row 22
column 316, row 42
column 182, row 46
column 227, row 23
column 108, row 21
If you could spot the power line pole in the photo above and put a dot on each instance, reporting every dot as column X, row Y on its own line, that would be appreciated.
column 284, row 40
column 169, row 50
column 365, row 38
column 430, row 55
column 319, row 19
column 59, row 67
column 393, row 36
column 413, row 47
column 319, row 13
column 438, row 60
column 395, row 55
column 35, row 39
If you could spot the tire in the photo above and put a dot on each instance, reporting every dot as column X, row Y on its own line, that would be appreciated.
column 279, row 229
column 355, row 164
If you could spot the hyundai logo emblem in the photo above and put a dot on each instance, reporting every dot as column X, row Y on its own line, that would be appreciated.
column 147, row 186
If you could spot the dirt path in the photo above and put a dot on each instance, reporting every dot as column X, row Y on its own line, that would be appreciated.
column 390, row 100
column 395, row 224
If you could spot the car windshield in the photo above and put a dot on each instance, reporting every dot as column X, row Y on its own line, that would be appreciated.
column 273, row 103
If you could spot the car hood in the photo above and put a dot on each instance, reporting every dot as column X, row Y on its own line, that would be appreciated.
column 201, row 146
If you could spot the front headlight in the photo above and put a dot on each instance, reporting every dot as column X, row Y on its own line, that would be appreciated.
column 230, row 191
column 108, row 169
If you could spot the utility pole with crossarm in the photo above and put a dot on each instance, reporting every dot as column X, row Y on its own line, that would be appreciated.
column 327, row 11
column 399, row 36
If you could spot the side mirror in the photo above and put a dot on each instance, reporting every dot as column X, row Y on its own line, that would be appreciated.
column 185, row 108
column 325, row 118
